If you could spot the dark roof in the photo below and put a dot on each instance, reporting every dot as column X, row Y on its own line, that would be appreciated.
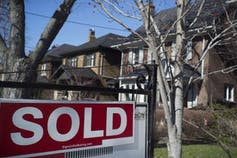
column 188, row 71
column 102, row 42
column 136, row 72
column 75, row 72
column 165, row 18
column 61, row 50
column 48, row 58
column 56, row 53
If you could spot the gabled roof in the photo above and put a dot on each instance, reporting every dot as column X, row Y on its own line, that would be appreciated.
column 188, row 71
column 79, row 76
column 165, row 18
column 56, row 53
column 103, row 42
column 68, row 72
column 61, row 50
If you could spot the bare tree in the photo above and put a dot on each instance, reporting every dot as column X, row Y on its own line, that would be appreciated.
column 24, row 67
column 172, row 93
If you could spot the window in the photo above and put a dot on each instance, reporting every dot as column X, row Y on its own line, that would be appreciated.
column 89, row 60
column 43, row 70
column 189, row 51
column 145, row 55
column 174, row 51
column 136, row 56
column 229, row 93
column 74, row 62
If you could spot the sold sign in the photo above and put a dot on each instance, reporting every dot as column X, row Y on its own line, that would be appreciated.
column 31, row 128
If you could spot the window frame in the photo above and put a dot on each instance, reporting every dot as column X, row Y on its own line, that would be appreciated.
column 74, row 62
column 89, row 60
column 43, row 69
column 229, row 92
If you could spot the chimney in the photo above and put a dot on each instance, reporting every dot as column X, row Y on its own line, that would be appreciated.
column 91, row 35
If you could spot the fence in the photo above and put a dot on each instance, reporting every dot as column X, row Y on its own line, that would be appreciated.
column 148, row 88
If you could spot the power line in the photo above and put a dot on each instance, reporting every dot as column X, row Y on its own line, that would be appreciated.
column 78, row 23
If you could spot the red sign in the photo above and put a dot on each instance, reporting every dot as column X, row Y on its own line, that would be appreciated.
column 31, row 128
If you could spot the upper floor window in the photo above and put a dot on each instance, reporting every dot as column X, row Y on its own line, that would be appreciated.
column 135, row 56
column 229, row 93
column 189, row 53
column 43, row 70
column 74, row 62
column 89, row 60
column 173, row 51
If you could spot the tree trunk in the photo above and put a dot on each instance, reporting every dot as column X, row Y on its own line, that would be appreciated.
column 19, row 67
column 14, row 55
column 175, row 133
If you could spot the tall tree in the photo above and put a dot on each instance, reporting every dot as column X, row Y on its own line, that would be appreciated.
column 23, row 68
column 172, row 92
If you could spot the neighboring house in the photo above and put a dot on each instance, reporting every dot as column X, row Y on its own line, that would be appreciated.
column 209, row 87
column 67, row 75
column 53, row 60
column 93, row 57
column 133, row 57
column 98, row 55
column 49, row 64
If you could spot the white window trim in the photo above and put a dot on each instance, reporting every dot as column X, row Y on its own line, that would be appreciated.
column 74, row 62
column 229, row 93
column 43, row 70
column 92, row 60
column 189, row 53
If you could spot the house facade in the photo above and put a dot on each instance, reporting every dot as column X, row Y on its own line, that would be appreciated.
column 214, row 80
column 116, row 61
column 94, row 61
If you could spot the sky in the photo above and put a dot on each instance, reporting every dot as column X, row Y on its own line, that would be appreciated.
column 82, row 18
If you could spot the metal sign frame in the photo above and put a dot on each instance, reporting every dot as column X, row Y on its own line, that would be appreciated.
column 149, row 89
column 85, row 125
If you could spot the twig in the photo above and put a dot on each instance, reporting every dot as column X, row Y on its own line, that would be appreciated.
column 223, row 145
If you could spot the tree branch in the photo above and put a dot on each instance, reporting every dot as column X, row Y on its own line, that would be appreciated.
column 224, row 71
column 214, row 41
column 223, row 145
column 120, row 22
column 51, row 30
column 121, row 11
column 198, row 14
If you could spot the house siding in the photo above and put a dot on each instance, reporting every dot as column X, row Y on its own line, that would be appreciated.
column 218, row 80
column 48, row 70
column 96, row 68
column 208, row 89
column 80, row 60
column 110, row 70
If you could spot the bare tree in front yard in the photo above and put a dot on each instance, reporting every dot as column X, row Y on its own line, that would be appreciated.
column 182, row 28
column 12, row 46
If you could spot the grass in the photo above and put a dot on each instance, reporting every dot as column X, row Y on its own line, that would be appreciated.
column 198, row 151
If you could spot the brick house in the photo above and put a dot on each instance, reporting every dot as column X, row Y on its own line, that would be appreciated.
column 214, row 82
column 94, row 61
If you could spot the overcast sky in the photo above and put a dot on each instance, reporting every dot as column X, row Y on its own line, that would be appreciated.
column 83, row 17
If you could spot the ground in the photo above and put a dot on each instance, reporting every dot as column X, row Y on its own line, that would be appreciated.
column 198, row 151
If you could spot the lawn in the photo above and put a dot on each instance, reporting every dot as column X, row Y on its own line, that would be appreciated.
column 198, row 151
